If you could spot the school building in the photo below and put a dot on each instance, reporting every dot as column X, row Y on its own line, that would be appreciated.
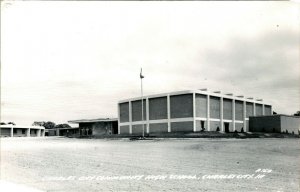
column 189, row 111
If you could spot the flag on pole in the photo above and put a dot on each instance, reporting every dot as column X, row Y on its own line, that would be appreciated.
column 141, row 75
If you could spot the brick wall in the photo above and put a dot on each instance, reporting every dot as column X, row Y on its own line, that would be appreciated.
column 214, row 125
column 158, row 127
column 264, row 124
column 158, row 108
column 137, row 110
column 258, row 109
column 227, row 109
column 249, row 109
column 182, row 126
column 198, row 125
column 268, row 110
column 124, row 112
column 214, row 105
column 239, row 110
column 291, row 124
column 138, row 129
column 230, row 127
column 181, row 106
column 124, row 129
column 239, row 126
column 201, row 105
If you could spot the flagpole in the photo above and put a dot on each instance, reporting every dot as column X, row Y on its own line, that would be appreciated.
column 141, row 76
column 142, row 106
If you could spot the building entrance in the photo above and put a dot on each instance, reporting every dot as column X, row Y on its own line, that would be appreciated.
column 202, row 125
column 226, row 126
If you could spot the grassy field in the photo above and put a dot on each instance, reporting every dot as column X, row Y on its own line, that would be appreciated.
column 64, row 164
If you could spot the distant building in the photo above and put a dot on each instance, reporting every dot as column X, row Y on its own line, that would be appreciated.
column 275, row 124
column 189, row 111
column 21, row 131
column 67, row 132
column 97, row 127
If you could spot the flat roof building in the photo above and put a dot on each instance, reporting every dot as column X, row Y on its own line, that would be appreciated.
column 97, row 127
column 21, row 131
column 66, row 131
column 275, row 124
column 189, row 111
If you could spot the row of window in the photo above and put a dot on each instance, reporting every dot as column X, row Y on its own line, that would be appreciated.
column 34, row 131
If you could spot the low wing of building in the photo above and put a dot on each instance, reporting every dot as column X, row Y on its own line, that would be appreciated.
column 67, row 132
column 97, row 127
column 21, row 131
column 275, row 124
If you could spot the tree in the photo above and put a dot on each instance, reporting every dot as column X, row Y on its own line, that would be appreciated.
column 38, row 123
column 49, row 125
column 64, row 125
column 297, row 113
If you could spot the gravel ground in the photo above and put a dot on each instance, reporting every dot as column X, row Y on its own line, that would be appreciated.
column 65, row 164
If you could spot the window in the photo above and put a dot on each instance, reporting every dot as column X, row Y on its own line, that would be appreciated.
column 23, row 131
column 15, row 131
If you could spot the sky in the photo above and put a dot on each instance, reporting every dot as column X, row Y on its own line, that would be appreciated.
column 64, row 61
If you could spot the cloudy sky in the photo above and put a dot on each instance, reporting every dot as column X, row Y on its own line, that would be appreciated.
column 62, row 61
